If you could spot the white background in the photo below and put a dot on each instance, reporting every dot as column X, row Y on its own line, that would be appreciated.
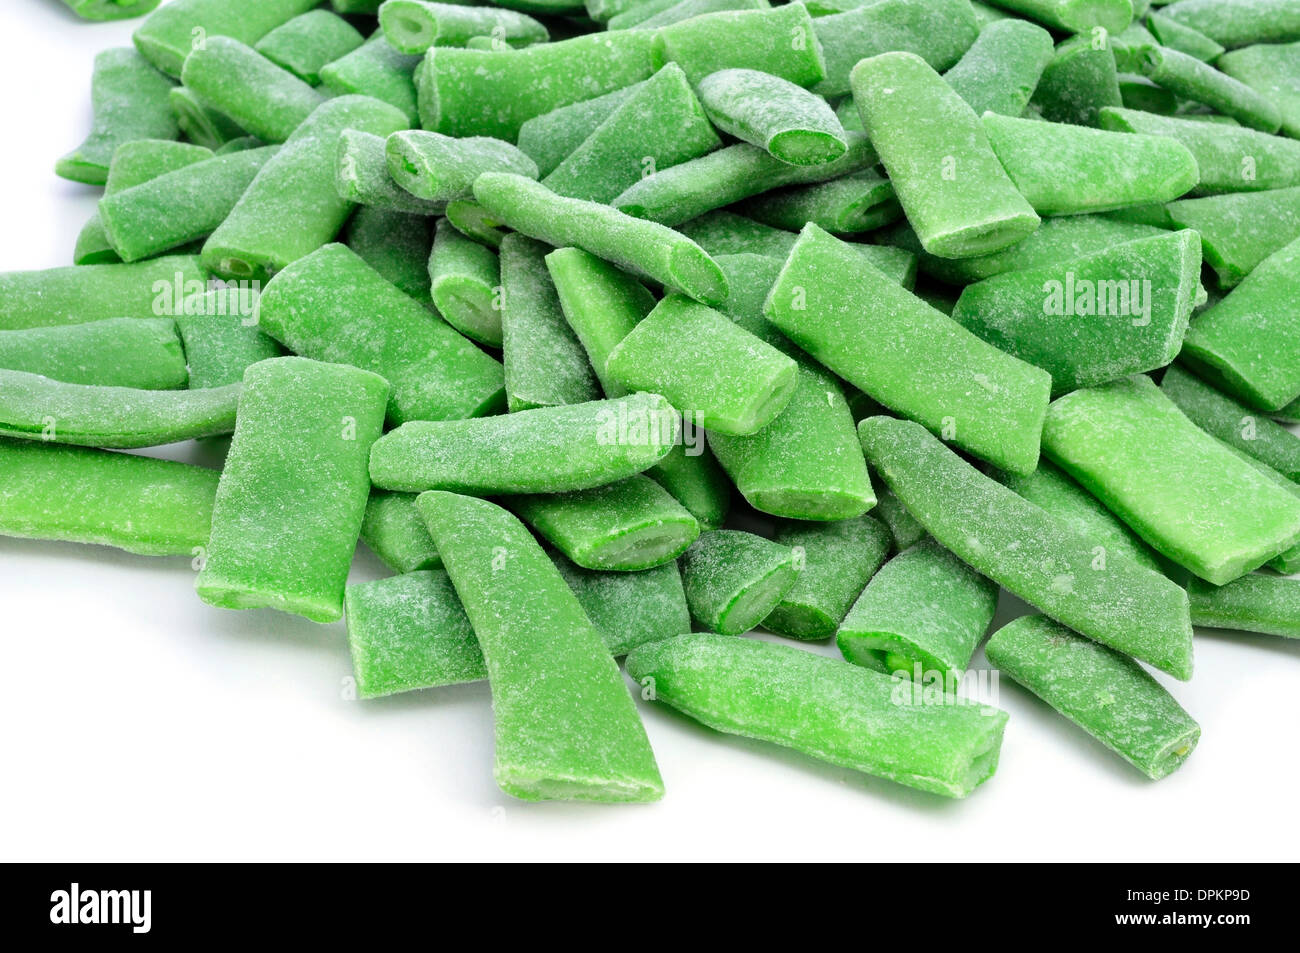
column 138, row 723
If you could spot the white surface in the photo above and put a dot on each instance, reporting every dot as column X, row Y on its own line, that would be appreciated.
column 139, row 723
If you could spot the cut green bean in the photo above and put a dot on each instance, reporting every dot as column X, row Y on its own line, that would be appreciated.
column 693, row 477
column 625, row 526
column 630, row 608
column 396, row 245
column 412, row 26
column 1177, row 487
column 647, row 248
column 1107, row 695
column 111, row 9
column 438, row 168
column 1079, row 82
column 1138, row 92
column 200, row 121
column 792, row 124
column 119, row 352
column 394, row 529
column 854, row 203
column 1001, row 69
column 139, row 504
column 846, row 313
column 656, row 14
column 180, row 207
column 779, row 41
column 1032, row 554
column 465, row 283
column 903, row 526
column 660, row 125
column 262, row 98
column 1254, row 603
column 548, row 138
column 474, row 222
column 376, row 70
column 734, row 579
column 548, row 450
column 307, row 42
column 545, row 363
column 81, row 293
column 174, row 30
column 332, row 306
column 492, row 93
column 824, row 708
column 1188, row 77
column 1185, row 39
column 1239, row 230
column 362, row 177
column 1074, row 16
column 292, row 207
column 219, row 330
column 947, row 178
column 1235, row 23
column 88, row 415
column 129, row 99
column 834, row 561
column 924, row 611
column 1273, row 70
column 293, row 492
column 726, row 233
column 542, row 653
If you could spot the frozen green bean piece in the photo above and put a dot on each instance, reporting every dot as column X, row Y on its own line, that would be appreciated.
column 924, row 611
column 1273, row 70
column 1032, row 554
column 1187, row 77
column 394, row 529
column 1138, row 92
column 734, row 579
column 657, row 13
column 630, row 608
column 1235, row 23
column 1240, row 229
column 409, row 632
column 1093, row 319
column 851, row 317
column 834, row 561
column 332, row 306
column 824, row 708
column 625, row 526
column 139, row 504
column 396, row 245
column 292, row 207
column 693, row 477
column 634, row 13
column 1001, row 69
column 1107, row 695
column 779, row 41
column 601, row 304
column 566, row 726
column 854, row 203
column 1185, row 39
column 660, row 125
column 111, row 9
column 1177, row 487
column 143, row 353
column 1074, row 16
column 376, row 70
column 361, row 176
column 294, row 489
column 176, row 29
column 412, row 26
column 548, row 450
column 134, row 163
column 475, row 223
column 726, row 233
column 903, row 527
column 219, row 330
column 947, row 178
column 438, row 168
column 81, row 293
column 1078, row 83
column 731, row 381
column 129, row 99
column 465, row 283
column 545, row 364
column 200, row 121
column 1229, row 159
column 180, row 207
column 307, row 42
column 772, row 113
column 493, row 93
column 1248, row 344
column 262, row 98
column 1254, row 603
column 646, row 248
column 690, row 189
column 1049, row 488
column 90, row 415
column 938, row 31
column 1287, row 561
column 1232, row 422
column 548, row 138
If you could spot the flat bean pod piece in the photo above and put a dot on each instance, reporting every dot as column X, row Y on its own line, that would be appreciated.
column 1239, row 22
column 219, row 330
column 465, row 284
column 1079, row 82
column 548, row 450
column 395, row 244
column 1000, row 71
column 309, row 41
column 129, row 99
column 630, row 608
column 724, row 233
column 361, row 176
column 293, row 492
column 779, row 41
column 542, row 653
column 412, row 26
column 439, row 168
column 772, row 113
column 1188, row 77
column 548, row 138
column 692, row 475
column 81, row 293
column 1273, row 70
column 657, row 13
column 266, row 100
column 853, row 203
column 1074, row 16
column 1176, row 486
column 167, row 37
column 1257, row 602
column 376, row 70
column 332, row 306
column 119, row 352
column 1030, row 553
column 200, row 121
column 88, row 415
column 394, row 529
column 139, row 504
column 1240, row 229
column 824, row 708
column 1179, row 36
column 735, row 579
column 1107, row 695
